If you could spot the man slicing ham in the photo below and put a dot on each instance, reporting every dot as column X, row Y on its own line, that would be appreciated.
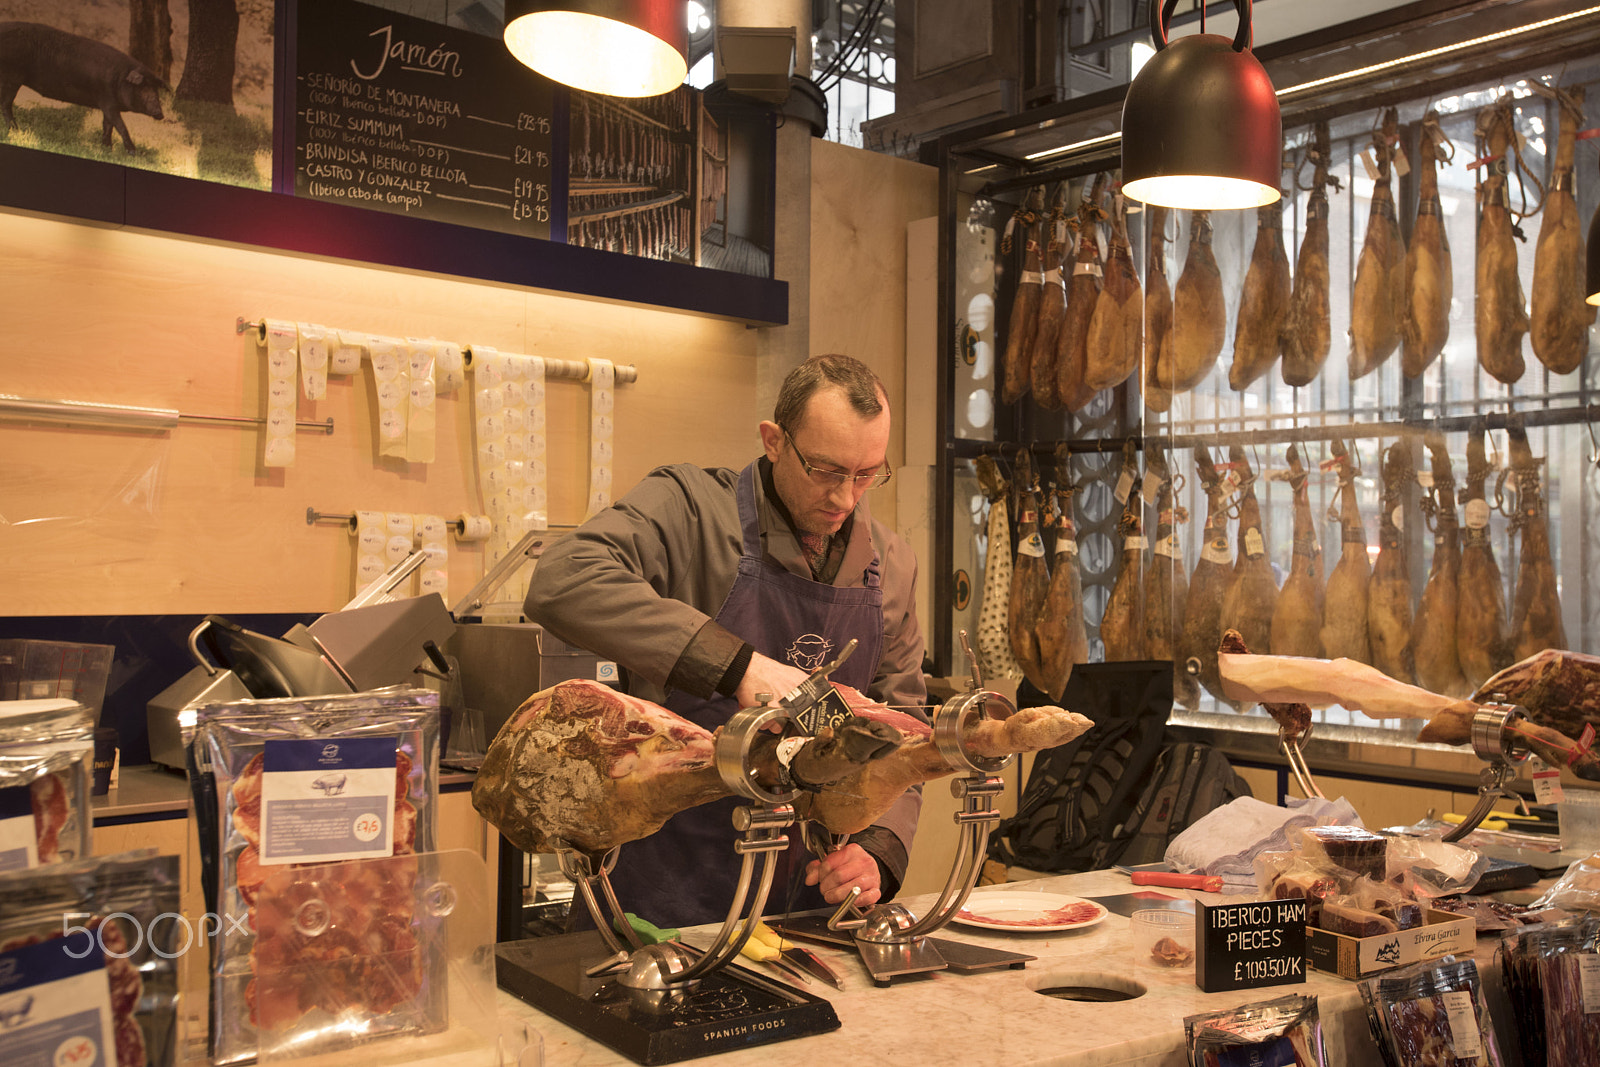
column 715, row 587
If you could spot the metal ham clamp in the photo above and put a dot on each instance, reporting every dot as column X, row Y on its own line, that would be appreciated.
column 1495, row 740
column 892, row 941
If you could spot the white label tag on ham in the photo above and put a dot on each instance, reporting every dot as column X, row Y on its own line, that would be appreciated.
column 1546, row 781
column 1032, row 545
column 1398, row 517
column 1150, row 486
column 1477, row 514
column 1032, row 277
column 1135, row 543
column 1369, row 166
column 327, row 800
column 1463, row 1020
column 1124, row 485
column 1066, row 546
column 1402, row 165
column 1253, row 544
column 1217, row 551
column 1589, row 978
column 1167, row 546
column 1425, row 479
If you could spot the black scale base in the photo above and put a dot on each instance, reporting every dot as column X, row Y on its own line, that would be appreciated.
column 733, row 1008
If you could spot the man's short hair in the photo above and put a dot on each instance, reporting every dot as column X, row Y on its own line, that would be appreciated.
column 862, row 388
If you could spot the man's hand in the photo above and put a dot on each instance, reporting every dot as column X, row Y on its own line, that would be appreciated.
column 767, row 676
column 849, row 866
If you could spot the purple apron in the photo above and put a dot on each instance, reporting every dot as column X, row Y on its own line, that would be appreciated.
column 685, row 873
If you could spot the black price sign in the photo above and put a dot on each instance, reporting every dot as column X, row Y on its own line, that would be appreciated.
column 418, row 118
column 1242, row 946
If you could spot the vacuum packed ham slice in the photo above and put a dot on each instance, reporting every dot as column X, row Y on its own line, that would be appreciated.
column 1389, row 594
column 1434, row 634
column 1297, row 617
column 1307, row 332
column 1375, row 305
column 584, row 764
column 1344, row 613
column 1024, row 319
column 1501, row 315
column 1559, row 328
column 1264, row 302
column 1429, row 277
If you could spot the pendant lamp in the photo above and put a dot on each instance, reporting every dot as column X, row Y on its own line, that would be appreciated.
column 615, row 47
column 1200, row 124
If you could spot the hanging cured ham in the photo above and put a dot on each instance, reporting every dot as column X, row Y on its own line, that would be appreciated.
column 1264, row 303
column 1199, row 314
column 1559, row 329
column 1429, row 278
column 1052, row 305
column 1024, row 320
column 994, row 641
column 1389, row 596
column 1166, row 584
column 1083, row 293
column 1344, row 613
column 1501, row 315
column 1063, row 641
column 1209, row 582
column 1434, row 635
column 1307, row 332
column 1252, row 597
column 1157, row 311
column 1297, row 618
column 1481, row 621
column 1375, row 305
column 1122, row 628
column 1030, row 576
column 1536, row 604
column 1117, row 328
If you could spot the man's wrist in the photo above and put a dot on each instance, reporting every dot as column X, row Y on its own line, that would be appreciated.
column 729, row 685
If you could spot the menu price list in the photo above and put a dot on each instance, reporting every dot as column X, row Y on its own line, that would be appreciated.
column 399, row 114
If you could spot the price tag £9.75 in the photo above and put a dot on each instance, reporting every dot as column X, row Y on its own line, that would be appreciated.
column 327, row 799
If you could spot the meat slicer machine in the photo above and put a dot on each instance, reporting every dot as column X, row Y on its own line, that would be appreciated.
column 663, row 1002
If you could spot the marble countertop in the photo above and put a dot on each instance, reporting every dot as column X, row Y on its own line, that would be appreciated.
column 998, row 1017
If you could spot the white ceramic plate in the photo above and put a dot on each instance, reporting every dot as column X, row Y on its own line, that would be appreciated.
column 1026, row 912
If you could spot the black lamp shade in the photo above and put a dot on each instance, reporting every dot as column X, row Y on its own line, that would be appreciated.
column 1592, row 257
column 617, row 47
column 1201, row 127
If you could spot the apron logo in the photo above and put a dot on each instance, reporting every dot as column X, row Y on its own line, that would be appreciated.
column 809, row 651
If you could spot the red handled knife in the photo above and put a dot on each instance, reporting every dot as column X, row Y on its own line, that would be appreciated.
column 1206, row 883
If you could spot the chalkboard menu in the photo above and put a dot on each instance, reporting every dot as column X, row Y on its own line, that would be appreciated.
column 1242, row 946
column 417, row 118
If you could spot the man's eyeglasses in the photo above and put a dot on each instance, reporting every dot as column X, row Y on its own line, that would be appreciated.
column 823, row 476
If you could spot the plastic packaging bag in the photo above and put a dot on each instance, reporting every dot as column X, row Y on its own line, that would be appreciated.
column 1282, row 1032
column 1424, row 867
column 1576, row 890
column 46, row 768
column 306, row 782
column 1432, row 1013
column 101, row 938
column 1540, row 983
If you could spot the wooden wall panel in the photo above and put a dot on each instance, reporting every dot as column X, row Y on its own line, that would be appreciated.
column 96, row 521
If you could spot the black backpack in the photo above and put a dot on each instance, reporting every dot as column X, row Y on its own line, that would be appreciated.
column 1082, row 794
column 1121, row 791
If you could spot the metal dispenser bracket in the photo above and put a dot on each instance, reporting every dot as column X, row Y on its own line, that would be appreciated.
column 1495, row 741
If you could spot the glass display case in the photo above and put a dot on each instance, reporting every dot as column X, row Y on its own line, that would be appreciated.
column 1419, row 83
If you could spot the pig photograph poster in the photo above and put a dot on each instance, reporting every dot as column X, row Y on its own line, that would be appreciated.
column 178, row 86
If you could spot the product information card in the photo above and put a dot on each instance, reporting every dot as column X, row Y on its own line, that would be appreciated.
column 327, row 800
column 55, row 1011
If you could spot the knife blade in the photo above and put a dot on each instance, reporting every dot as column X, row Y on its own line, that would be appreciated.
column 809, row 961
